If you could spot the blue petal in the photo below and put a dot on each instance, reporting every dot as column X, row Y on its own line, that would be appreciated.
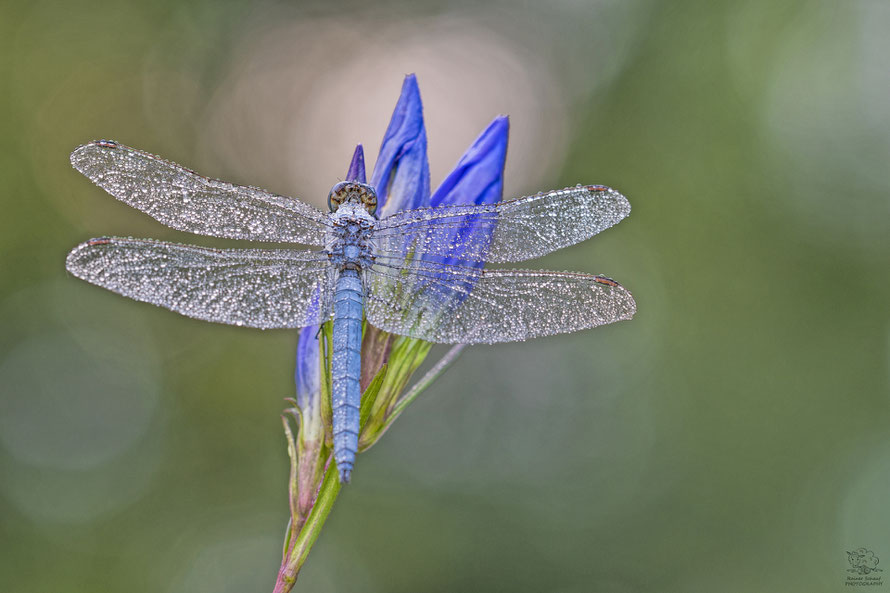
column 308, row 366
column 356, row 170
column 477, row 179
column 402, row 173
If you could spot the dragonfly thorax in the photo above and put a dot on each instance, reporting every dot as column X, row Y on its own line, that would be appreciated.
column 348, row 245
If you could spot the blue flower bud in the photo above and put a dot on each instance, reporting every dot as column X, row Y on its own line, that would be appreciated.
column 402, row 173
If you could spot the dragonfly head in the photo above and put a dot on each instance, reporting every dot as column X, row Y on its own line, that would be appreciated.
column 353, row 191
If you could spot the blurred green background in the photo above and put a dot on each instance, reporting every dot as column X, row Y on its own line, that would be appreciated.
column 735, row 436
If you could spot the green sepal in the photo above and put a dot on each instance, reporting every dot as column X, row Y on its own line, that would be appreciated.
column 407, row 354
column 369, row 397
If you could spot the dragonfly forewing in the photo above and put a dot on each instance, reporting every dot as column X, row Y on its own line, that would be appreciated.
column 508, row 231
column 184, row 200
column 262, row 288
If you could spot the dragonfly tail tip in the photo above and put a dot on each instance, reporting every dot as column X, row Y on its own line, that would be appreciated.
column 345, row 474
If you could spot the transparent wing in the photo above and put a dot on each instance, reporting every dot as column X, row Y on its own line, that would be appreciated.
column 453, row 304
column 248, row 287
column 186, row 201
column 509, row 231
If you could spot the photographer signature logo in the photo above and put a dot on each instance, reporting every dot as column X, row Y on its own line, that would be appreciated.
column 863, row 564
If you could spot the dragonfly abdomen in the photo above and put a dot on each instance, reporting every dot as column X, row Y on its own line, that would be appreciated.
column 346, row 370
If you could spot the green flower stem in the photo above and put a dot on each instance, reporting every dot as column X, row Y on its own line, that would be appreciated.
column 330, row 488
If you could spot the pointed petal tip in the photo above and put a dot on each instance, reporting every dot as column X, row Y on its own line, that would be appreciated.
column 410, row 94
column 356, row 170
column 410, row 79
column 499, row 126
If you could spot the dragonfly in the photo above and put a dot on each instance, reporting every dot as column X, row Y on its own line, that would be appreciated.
column 418, row 273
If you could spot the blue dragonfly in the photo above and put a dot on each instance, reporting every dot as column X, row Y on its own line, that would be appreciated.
column 417, row 273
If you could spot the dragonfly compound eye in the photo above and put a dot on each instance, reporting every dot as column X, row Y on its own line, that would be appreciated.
column 352, row 191
column 338, row 195
column 369, row 199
